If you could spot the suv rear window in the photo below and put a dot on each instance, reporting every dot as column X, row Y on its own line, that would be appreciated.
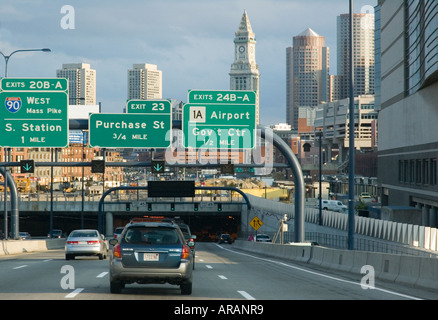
column 151, row 235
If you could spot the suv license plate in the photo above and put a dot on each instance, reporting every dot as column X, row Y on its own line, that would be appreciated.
column 150, row 257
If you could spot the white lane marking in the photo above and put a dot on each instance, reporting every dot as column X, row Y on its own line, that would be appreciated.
column 19, row 267
column 101, row 275
column 222, row 277
column 246, row 295
column 208, row 266
column 320, row 274
column 47, row 260
column 74, row 293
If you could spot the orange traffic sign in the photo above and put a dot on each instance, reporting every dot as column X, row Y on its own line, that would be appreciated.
column 256, row 223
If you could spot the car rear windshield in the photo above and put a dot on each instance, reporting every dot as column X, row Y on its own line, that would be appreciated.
column 83, row 234
column 151, row 235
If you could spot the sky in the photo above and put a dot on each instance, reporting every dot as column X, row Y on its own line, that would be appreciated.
column 191, row 41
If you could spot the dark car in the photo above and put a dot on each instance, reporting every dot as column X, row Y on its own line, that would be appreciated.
column 225, row 238
column 151, row 252
column 117, row 232
column 55, row 233
column 190, row 239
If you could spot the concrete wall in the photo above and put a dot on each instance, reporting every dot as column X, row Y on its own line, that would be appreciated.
column 410, row 270
column 8, row 247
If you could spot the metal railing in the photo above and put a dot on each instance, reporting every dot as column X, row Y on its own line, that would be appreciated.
column 337, row 241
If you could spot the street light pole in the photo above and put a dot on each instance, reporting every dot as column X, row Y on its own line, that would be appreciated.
column 319, row 134
column 351, row 140
column 21, row 50
column 7, row 57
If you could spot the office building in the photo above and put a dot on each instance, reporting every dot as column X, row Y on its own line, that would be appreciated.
column 145, row 82
column 363, row 55
column 307, row 74
column 244, row 74
column 408, row 139
column 81, row 83
column 334, row 120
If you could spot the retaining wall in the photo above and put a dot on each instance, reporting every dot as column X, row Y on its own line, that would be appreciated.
column 403, row 269
column 270, row 212
column 8, row 247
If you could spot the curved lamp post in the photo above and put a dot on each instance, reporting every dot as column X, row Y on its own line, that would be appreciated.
column 21, row 50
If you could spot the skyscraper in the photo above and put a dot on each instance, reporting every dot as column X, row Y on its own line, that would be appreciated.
column 363, row 55
column 81, row 82
column 307, row 74
column 244, row 74
column 145, row 81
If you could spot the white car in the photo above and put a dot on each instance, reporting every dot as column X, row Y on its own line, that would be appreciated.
column 262, row 238
column 365, row 196
column 333, row 205
column 87, row 242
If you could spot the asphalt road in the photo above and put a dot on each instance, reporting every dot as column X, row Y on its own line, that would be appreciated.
column 222, row 272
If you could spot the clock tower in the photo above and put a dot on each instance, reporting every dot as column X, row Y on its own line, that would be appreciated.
column 244, row 74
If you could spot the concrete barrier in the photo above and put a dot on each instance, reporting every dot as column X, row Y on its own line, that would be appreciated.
column 403, row 269
column 428, row 271
column 9, row 247
column 359, row 260
column 409, row 270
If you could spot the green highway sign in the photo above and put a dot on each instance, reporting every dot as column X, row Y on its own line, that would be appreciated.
column 29, row 84
column 219, row 126
column 149, row 106
column 33, row 118
column 220, row 119
column 125, row 130
column 222, row 97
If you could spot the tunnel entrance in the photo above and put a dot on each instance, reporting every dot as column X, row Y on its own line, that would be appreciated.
column 204, row 227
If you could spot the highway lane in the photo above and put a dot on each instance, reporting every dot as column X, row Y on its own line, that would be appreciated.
column 222, row 272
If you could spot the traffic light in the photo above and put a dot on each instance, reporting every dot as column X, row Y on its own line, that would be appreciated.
column 172, row 207
column 128, row 206
column 158, row 166
column 27, row 166
column 97, row 166
column 149, row 206
column 196, row 206
column 219, row 207
column 227, row 168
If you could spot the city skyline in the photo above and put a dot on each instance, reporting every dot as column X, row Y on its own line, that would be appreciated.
column 191, row 42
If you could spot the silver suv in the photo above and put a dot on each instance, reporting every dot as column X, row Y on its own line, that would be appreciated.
column 151, row 252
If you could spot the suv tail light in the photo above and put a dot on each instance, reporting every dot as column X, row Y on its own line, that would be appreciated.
column 185, row 252
column 116, row 251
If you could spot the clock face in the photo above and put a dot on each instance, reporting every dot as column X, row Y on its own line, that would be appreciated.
column 241, row 48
